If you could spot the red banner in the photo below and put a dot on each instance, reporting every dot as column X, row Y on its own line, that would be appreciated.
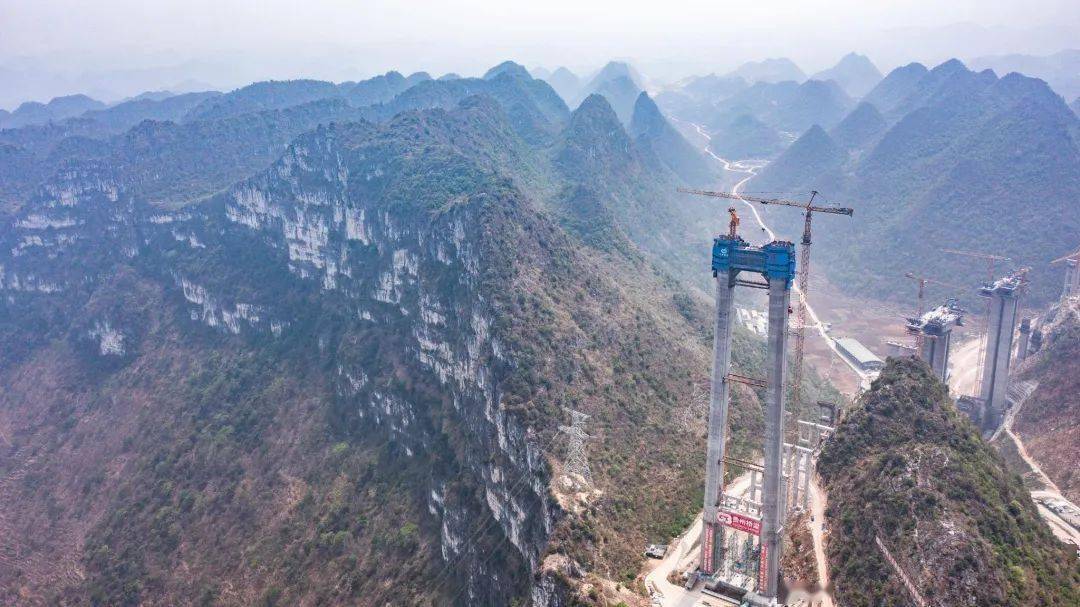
column 707, row 550
column 739, row 522
column 763, row 568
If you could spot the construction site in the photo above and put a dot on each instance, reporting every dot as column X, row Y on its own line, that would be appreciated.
column 732, row 554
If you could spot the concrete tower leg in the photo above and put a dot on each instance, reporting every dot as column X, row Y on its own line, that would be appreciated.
column 945, row 344
column 796, row 478
column 712, row 532
column 998, row 351
column 1072, row 276
column 776, row 360
column 1025, row 337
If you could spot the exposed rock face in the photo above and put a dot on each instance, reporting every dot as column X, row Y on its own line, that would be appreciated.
column 339, row 379
column 314, row 238
column 915, row 495
column 1047, row 423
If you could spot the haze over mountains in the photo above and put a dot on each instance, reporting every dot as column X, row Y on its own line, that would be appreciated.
column 312, row 342
column 945, row 155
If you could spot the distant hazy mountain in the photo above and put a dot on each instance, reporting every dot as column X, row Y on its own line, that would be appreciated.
column 507, row 67
column 540, row 73
column 653, row 134
column 152, row 96
column 620, row 84
column 59, row 108
column 270, row 95
column 1075, row 105
column 787, row 106
column 616, row 69
column 812, row 162
column 693, row 98
column 148, row 107
column 1060, row 70
column 855, row 73
column 896, row 86
column 713, row 87
column 769, row 70
column 383, row 88
column 746, row 137
column 565, row 83
column 621, row 93
column 859, row 128
column 977, row 162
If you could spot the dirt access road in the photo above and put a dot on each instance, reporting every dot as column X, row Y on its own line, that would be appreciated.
column 964, row 372
column 681, row 553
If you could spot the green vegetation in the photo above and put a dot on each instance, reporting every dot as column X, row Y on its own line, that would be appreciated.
column 968, row 161
column 906, row 467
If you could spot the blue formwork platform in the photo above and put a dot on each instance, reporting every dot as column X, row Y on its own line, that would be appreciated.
column 734, row 255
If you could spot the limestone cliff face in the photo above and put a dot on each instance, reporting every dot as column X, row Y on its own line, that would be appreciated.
column 341, row 247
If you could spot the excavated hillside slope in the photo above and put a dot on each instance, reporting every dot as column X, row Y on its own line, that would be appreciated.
column 1049, row 422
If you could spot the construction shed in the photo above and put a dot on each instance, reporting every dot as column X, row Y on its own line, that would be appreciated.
column 863, row 357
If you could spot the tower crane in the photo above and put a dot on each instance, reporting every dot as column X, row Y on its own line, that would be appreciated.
column 923, row 281
column 803, row 268
column 991, row 261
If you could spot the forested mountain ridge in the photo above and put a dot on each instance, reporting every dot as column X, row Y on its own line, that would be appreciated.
column 969, row 160
column 907, row 474
column 326, row 370
column 58, row 108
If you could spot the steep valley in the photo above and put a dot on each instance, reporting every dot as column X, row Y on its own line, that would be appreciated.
column 341, row 379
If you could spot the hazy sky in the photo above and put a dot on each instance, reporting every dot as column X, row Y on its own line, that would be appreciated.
column 227, row 42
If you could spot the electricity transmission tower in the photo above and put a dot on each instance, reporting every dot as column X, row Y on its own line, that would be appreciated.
column 577, row 460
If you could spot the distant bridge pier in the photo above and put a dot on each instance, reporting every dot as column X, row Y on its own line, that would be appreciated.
column 1004, row 295
column 1025, row 338
column 935, row 328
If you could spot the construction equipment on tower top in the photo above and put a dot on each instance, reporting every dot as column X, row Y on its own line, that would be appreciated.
column 991, row 261
column 804, row 265
column 923, row 281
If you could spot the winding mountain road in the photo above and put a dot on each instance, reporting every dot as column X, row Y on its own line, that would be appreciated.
column 751, row 169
